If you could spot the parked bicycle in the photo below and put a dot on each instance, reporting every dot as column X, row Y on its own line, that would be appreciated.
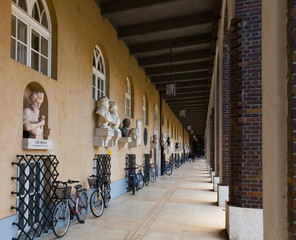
column 133, row 182
column 140, row 176
column 67, row 207
column 168, row 169
column 96, row 200
column 152, row 173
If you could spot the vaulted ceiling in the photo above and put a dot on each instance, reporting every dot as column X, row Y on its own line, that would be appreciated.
column 151, row 28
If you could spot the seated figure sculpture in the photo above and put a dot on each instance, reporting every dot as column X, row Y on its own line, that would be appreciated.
column 115, row 120
column 103, row 112
column 32, row 123
column 124, row 130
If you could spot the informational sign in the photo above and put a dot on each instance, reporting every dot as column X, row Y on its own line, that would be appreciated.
column 42, row 144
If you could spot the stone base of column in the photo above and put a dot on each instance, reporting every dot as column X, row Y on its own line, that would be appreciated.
column 244, row 223
column 216, row 181
column 223, row 195
column 212, row 176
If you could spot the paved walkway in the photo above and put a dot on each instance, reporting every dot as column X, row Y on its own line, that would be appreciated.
column 182, row 206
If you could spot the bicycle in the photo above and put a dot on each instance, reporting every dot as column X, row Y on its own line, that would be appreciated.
column 64, row 211
column 168, row 169
column 152, row 174
column 96, row 200
column 140, row 176
column 133, row 182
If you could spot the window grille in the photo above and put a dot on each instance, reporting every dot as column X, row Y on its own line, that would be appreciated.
column 35, row 194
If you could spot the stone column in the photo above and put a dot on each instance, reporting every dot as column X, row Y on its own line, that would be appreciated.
column 244, row 213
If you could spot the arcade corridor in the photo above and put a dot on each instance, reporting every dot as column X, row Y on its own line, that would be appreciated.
column 180, row 206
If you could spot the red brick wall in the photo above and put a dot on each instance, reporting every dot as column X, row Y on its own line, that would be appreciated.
column 225, row 99
column 245, row 188
column 292, row 118
column 212, row 142
column 217, row 122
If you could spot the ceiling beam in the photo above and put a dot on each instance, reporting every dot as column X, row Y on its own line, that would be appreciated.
column 164, row 25
column 170, row 43
column 192, row 67
column 112, row 7
column 181, row 77
column 191, row 96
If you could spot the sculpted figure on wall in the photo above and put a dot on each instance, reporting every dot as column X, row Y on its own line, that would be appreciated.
column 124, row 130
column 32, row 122
column 103, row 112
column 133, row 133
column 115, row 120
column 164, row 139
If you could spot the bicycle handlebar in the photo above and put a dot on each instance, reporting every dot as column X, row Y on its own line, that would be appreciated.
column 65, row 183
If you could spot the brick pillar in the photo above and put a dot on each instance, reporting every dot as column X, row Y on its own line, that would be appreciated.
column 212, row 142
column 245, row 183
column 217, row 124
column 291, row 40
column 225, row 99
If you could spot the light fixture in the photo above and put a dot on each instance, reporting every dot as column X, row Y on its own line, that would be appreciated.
column 191, row 132
column 189, row 127
column 170, row 87
column 182, row 111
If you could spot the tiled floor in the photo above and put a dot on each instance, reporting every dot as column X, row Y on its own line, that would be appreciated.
column 180, row 206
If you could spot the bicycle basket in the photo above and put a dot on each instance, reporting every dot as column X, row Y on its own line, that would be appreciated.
column 93, row 182
column 61, row 192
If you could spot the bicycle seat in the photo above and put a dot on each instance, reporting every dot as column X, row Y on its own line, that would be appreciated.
column 78, row 187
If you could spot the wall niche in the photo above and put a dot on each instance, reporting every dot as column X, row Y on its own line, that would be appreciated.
column 35, row 118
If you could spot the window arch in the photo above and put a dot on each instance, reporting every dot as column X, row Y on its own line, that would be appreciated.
column 99, row 74
column 31, row 34
column 145, row 121
column 128, row 98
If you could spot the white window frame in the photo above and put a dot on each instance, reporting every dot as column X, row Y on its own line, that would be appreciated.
column 32, row 24
column 144, row 110
column 128, row 98
column 99, row 76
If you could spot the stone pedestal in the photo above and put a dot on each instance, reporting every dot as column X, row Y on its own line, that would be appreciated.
column 244, row 223
column 216, row 181
column 223, row 195
column 123, row 142
column 114, row 139
column 133, row 143
column 102, row 136
column 41, row 144
column 153, row 145
column 212, row 176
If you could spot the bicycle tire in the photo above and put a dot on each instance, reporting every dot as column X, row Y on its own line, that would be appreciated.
column 81, row 207
column 61, row 218
column 146, row 178
column 132, row 184
column 152, row 176
column 106, row 195
column 169, row 170
column 140, row 180
column 96, row 203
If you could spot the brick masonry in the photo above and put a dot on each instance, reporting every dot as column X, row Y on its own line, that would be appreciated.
column 217, row 122
column 212, row 142
column 291, row 91
column 225, row 104
column 245, row 135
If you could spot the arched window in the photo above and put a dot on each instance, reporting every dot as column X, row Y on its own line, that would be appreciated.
column 144, row 110
column 31, row 34
column 99, row 75
column 128, row 98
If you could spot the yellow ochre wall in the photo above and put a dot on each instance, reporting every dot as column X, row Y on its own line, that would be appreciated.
column 71, row 118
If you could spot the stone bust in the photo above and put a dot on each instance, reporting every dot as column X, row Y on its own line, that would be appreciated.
column 115, row 120
column 32, row 122
column 103, row 112
column 124, row 130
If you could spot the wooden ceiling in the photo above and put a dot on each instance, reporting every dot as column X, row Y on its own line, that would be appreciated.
column 151, row 28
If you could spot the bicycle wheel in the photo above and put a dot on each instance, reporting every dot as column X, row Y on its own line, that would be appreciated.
column 146, row 178
column 96, row 203
column 106, row 195
column 152, row 176
column 169, row 170
column 132, row 184
column 81, row 207
column 61, row 218
column 140, row 180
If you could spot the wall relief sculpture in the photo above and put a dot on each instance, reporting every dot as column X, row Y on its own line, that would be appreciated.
column 124, row 130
